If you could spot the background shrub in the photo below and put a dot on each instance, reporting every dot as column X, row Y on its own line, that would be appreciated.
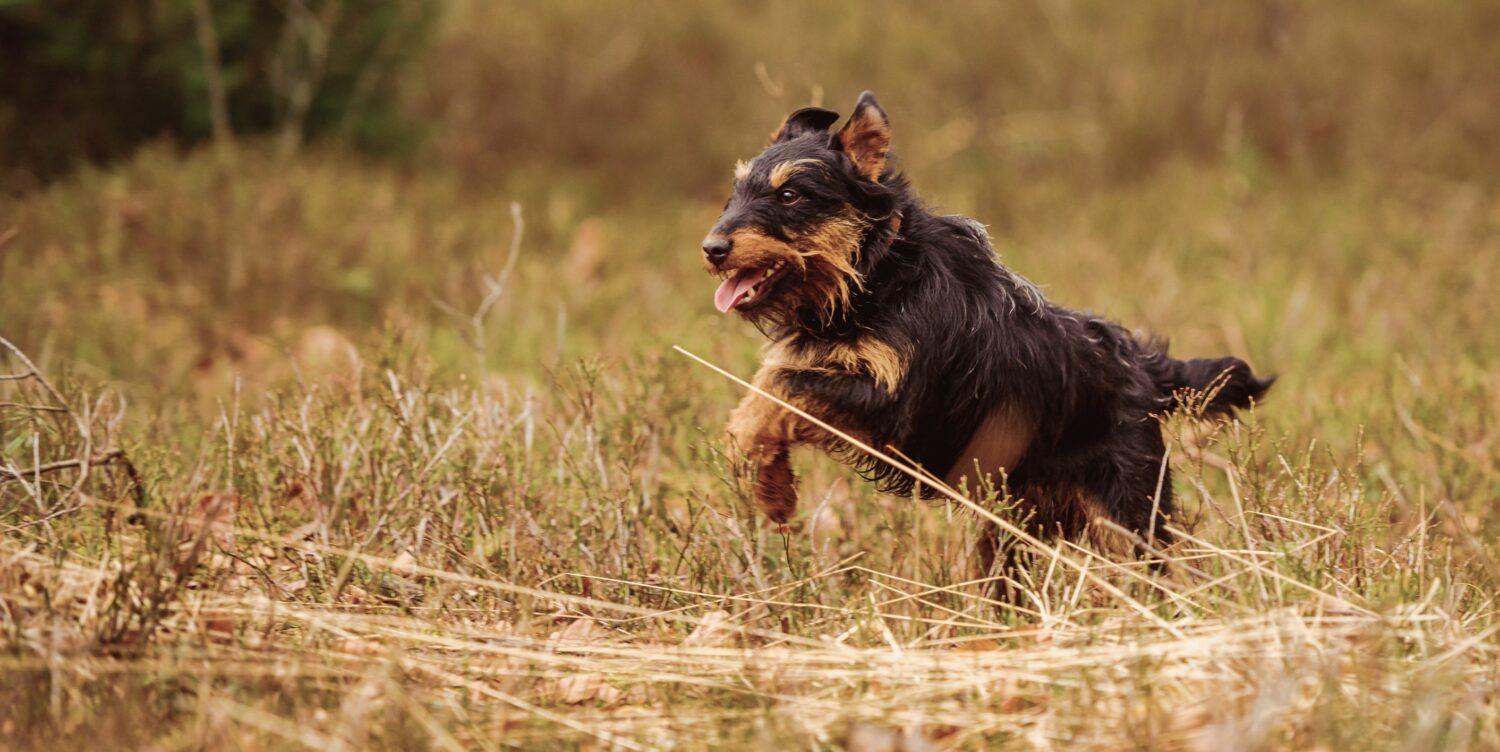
column 92, row 79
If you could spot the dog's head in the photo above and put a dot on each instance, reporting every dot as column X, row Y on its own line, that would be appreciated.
column 789, row 240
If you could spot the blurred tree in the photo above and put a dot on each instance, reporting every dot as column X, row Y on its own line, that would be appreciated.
column 90, row 79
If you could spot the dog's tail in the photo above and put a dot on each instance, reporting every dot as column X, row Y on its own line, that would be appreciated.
column 1223, row 384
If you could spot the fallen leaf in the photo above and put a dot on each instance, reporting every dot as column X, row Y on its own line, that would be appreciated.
column 212, row 516
column 1017, row 704
column 580, row 688
column 581, row 632
column 325, row 354
column 977, row 646
column 864, row 737
column 356, row 595
column 355, row 646
column 713, row 630
column 404, row 564
column 217, row 626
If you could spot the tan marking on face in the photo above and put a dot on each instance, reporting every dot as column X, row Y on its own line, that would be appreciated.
column 830, row 251
column 784, row 171
column 998, row 444
column 822, row 260
column 741, row 169
column 755, row 249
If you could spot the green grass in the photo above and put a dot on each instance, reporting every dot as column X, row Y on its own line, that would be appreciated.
column 370, row 524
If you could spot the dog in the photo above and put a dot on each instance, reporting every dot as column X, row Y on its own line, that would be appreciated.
column 901, row 328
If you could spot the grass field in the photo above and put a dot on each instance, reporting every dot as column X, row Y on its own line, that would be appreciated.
column 374, row 519
column 385, row 457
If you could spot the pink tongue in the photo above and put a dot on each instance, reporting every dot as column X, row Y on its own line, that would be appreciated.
column 731, row 290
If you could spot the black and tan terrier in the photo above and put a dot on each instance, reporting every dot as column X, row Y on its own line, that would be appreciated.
column 900, row 327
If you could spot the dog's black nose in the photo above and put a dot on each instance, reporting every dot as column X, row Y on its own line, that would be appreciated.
column 717, row 247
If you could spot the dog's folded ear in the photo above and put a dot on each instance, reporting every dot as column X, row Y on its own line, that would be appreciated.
column 866, row 138
column 805, row 120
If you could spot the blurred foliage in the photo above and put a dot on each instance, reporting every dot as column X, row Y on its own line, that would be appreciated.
column 613, row 95
column 92, row 79
column 643, row 93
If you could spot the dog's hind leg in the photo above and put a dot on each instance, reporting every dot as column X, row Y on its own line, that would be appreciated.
column 999, row 565
column 1046, row 512
column 1132, row 486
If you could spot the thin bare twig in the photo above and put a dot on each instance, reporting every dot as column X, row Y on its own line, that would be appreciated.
column 83, row 429
column 103, row 459
column 496, row 286
column 38, row 408
column 86, row 459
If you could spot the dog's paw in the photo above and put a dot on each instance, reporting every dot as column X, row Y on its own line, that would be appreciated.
column 776, row 487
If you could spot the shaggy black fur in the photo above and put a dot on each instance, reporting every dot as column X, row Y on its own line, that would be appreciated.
column 974, row 337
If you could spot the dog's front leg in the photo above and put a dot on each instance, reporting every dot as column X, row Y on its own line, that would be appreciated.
column 764, row 433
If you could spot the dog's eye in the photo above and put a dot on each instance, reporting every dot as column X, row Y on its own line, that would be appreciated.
column 788, row 196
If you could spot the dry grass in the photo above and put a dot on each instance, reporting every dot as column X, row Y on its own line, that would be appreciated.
column 413, row 464
column 370, row 558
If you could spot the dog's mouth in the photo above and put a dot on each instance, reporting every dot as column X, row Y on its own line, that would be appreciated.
column 745, row 288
